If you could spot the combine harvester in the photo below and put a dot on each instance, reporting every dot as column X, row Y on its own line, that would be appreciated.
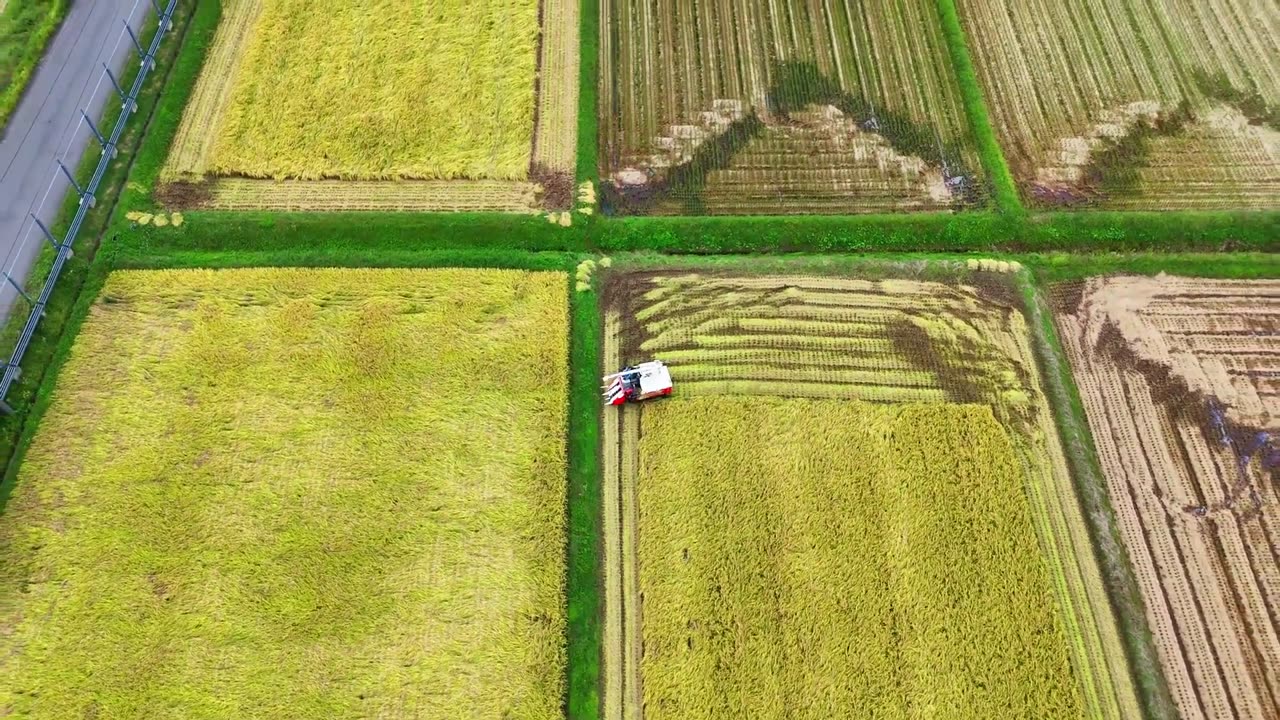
column 635, row 383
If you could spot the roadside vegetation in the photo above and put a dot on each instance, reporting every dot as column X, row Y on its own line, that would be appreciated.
column 25, row 29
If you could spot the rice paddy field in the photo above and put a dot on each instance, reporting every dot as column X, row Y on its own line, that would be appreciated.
column 781, row 108
column 910, row 484
column 277, row 493
column 292, row 92
column 809, row 558
column 1160, row 105
column 831, row 400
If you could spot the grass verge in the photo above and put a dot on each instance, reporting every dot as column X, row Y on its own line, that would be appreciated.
column 1091, row 490
column 26, row 26
column 1005, row 191
column 588, row 92
column 583, row 702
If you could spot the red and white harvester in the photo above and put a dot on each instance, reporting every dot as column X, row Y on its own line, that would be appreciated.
column 637, row 382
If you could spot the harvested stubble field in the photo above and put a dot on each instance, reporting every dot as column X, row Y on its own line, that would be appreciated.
column 768, row 108
column 277, row 493
column 378, row 94
column 1180, row 380
column 736, row 339
column 1157, row 105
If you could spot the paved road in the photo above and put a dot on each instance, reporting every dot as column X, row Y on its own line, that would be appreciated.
column 47, row 125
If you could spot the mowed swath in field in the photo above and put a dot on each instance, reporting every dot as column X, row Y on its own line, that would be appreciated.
column 825, row 558
column 296, row 493
column 390, row 91
column 1179, row 381
column 1064, row 80
column 766, row 108
column 840, row 338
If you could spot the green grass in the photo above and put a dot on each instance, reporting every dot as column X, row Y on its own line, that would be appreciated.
column 588, row 91
column 290, row 476
column 26, row 27
column 1090, row 484
column 584, row 510
column 993, row 161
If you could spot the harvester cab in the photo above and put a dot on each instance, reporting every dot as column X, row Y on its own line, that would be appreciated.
column 637, row 382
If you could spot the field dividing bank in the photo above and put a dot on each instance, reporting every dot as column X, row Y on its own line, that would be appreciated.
column 890, row 342
column 771, row 108
column 1179, row 381
column 1161, row 105
column 288, row 475
column 485, row 95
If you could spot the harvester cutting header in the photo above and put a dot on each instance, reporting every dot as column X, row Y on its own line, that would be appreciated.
column 637, row 382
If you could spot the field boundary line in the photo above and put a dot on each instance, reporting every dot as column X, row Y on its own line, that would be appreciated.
column 1106, row 544
column 1005, row 195
column 515, row 196
column 632, row 640
column 589, row 44
column 612, row 537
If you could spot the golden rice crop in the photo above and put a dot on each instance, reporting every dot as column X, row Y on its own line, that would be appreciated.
column 383, row 89
column 811, row 558
column 296, row 493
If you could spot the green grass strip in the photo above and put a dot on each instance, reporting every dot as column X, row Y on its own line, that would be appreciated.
column 1090, row 485
column 588, row 90
column 1005, row 191
column 583, row 589
column 26, row 26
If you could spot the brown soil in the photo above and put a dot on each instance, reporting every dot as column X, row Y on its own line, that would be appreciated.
column 557, row 187
column 1172, row 373
column 182, row 194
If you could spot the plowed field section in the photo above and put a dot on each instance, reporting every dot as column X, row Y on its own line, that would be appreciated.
column 761, row 107
column 843, row 339
column 1178, row 380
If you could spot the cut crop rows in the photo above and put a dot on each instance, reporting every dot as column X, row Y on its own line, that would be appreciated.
column 890, row 341
column 422, row 195
column 1179, row 381
column 1156, row 105
column 555, row 138
column 766, row 108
